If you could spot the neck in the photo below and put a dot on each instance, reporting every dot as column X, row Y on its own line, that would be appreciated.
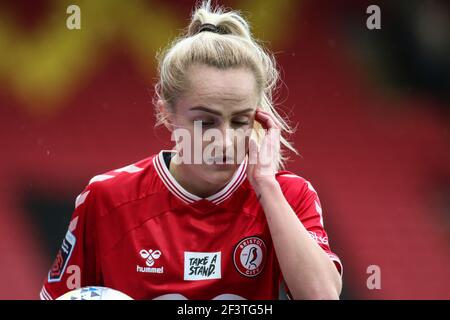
column 197, row 186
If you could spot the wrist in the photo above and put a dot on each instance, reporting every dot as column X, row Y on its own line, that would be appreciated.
column 266, row 186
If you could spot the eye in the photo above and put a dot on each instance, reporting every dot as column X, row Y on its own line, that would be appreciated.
column 241, row 122
column 204, row 122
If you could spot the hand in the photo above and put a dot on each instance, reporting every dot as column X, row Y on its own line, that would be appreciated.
column 262, row 164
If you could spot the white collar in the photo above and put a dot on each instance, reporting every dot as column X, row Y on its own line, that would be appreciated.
column 174, row 187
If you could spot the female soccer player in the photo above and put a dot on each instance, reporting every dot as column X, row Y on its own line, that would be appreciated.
column 181, row 226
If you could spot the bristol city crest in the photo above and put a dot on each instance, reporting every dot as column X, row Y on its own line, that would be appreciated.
column 250, row 256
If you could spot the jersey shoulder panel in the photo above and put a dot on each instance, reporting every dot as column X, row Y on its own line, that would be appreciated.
column 294, row 185
column 120, row 186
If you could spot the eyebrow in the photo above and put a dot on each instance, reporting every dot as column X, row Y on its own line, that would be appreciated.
column 200, row 108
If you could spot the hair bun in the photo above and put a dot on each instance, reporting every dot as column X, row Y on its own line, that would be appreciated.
column 218, row 20
column 211, row 28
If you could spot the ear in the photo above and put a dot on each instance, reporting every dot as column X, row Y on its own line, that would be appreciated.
column 166, row 115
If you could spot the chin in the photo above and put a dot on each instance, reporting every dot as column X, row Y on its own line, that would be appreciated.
column 219, row 173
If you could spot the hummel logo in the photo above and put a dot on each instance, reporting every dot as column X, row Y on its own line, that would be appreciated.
column 150, row 256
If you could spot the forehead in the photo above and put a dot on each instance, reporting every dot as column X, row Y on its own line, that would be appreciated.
column 215, row 87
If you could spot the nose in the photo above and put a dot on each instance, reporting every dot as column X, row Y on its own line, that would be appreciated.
column 227, row 139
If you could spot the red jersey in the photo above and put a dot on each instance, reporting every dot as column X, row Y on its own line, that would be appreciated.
column 137, row 230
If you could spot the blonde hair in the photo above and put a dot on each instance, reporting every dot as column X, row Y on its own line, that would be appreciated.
column 232, row 46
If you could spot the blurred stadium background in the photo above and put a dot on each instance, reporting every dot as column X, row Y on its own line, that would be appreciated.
column 372, row 108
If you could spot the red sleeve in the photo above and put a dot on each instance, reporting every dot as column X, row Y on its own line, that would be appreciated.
column 305, row 202
column 76, row 264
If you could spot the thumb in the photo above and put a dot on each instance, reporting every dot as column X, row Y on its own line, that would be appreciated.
column 252, row 157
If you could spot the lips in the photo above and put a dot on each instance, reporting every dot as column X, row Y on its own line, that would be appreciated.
column 223, row 160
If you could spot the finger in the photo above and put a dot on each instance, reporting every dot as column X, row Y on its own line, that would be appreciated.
column 267, row 120
column 252, row 151
column 273, row 135
column 273, row 117
column 275, row 139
